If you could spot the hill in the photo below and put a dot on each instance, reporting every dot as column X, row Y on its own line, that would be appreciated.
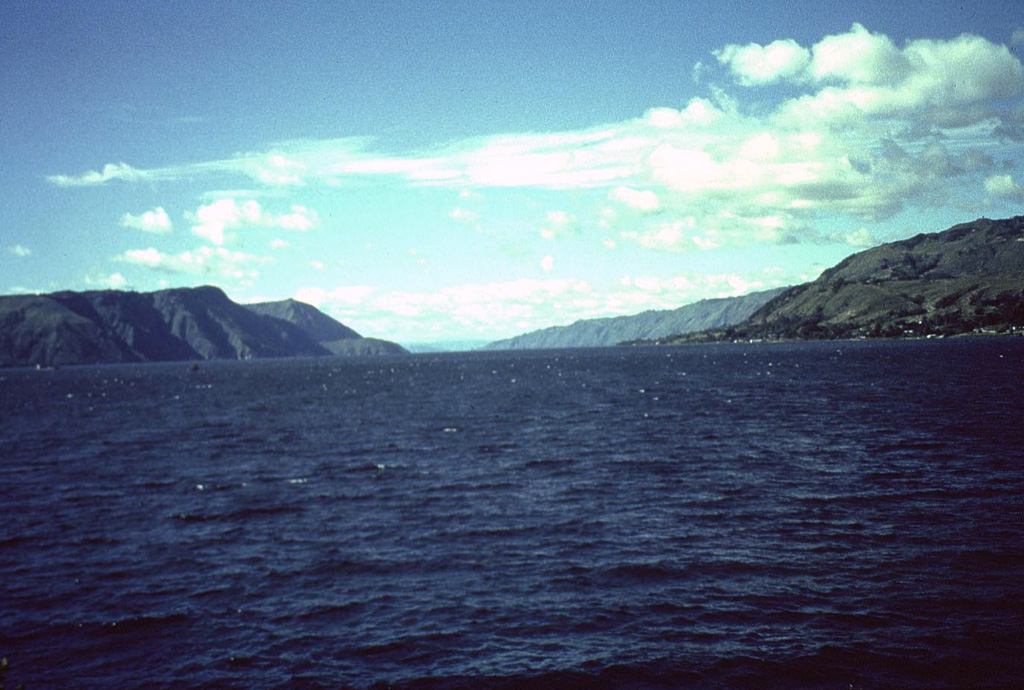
column 969, row 278
column 331, row 334
column 314, row 322
column 708, row 313
column 105, row 326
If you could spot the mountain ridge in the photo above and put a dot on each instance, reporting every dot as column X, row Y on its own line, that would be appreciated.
column 966, row 279
column 612, row 330
column 202, row 323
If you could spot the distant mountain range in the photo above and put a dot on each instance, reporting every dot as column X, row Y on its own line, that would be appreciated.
column 178, row 324
column 967, row 279
column 705, row 314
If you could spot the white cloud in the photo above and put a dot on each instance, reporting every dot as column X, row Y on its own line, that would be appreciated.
column 859, row 57
column 110, row 171
column 724, row 229
column 204, row 261
column 663, row 236
column 1004, row 187
column 861, row 238
column 300, row 219
column 477, row 309
column 19, row 250
column 559, row 223
column 650, row 292
column 502, row 309
column 547, row 264
column 755, row 64
column 156, row 221
column 114, row 281
column 864, row 129
column 641, row 201
column 867, row 76
column 484, row 305
column 215, row 221
column 279, row 170
column 212, row 220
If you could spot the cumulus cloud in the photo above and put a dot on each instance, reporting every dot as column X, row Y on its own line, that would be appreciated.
column 215, row 221
column 1004, row 187
column 755, row 64
column 19, row 250
column 559, row 223
column 859, row 57
column 865, row 75
column 641, row 201
column 204, row 261
column 212, row 220
column 156, row 221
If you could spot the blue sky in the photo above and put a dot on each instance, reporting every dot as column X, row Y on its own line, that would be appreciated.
column 472, row 170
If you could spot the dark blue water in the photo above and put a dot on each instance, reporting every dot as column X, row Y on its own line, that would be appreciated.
column 788, row 516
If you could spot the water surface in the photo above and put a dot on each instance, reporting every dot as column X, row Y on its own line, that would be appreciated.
column 820, row 515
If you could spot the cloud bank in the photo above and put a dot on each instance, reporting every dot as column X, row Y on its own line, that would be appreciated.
column 868, row 128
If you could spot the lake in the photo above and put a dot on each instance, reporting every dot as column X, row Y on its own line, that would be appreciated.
column 806, row 515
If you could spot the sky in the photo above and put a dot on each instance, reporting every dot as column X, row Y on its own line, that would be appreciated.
column 451, row 170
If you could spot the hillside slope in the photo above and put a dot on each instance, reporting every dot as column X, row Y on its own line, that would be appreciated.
column 708, row 313
column 331, row 334
column 314, row 322
column 178, row 324
column 966, row 279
